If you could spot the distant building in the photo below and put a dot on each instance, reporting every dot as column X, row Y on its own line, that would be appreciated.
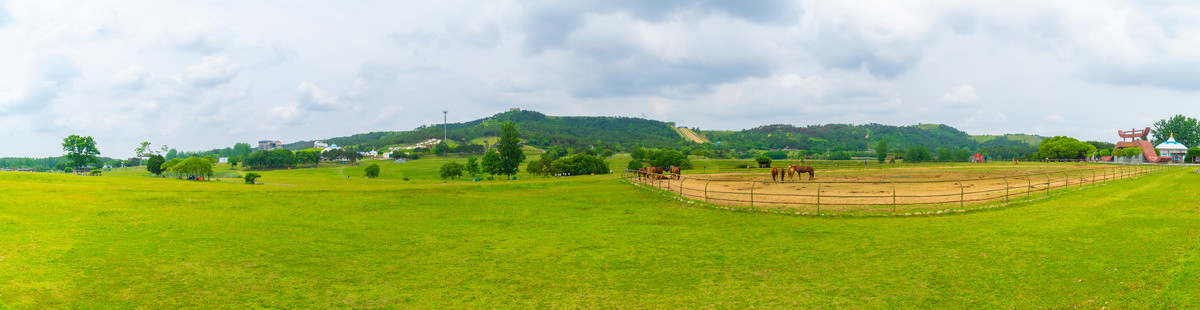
column 514, row 109
column 267, row 145
column 320, row 144
column 223, row 160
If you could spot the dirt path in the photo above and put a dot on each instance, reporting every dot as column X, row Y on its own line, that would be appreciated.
column 691, row 136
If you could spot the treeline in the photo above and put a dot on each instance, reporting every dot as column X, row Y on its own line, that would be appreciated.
column 284, row 158
column 58, row 163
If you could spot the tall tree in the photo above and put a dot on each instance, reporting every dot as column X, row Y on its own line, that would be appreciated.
column 81, row 150
column 1185, row 129
column 472, row 166
column 143, row 150
column 511, row 155
column 881, row 150
column 242, row 149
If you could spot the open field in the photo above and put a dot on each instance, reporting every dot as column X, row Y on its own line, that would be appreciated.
column 894, row 191
column 315, row 238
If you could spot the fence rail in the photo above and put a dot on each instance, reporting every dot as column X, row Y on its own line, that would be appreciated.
column 884, row 197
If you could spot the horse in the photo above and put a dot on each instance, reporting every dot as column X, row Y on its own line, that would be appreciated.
column 776, row 173
column 652, row 171
column 798, row 169
column 674, row 171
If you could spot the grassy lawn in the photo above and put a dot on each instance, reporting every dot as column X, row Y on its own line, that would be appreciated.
column 315, row 238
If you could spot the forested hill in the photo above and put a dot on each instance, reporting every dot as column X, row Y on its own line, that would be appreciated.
column 842, row 137
column 537, row 129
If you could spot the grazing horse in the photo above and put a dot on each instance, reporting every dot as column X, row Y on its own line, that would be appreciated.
column 798, row 169
column 651, row 172
column 776, row 173
column 674, row 172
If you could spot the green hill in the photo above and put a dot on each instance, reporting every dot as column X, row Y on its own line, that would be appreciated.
column 537, row 129
column 1028, row 139
column 843, row 137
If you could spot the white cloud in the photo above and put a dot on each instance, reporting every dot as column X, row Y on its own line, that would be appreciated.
column 199, row 76
column 212, row 71
column 962, row 95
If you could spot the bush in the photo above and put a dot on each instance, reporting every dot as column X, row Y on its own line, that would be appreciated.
column 252, row 178
column 580, row 164
column 96, row 172
column 916, row 154
column 839, row 155
column 763, row 161
column 634, row 165
column 372, row 171
column 776, row 155
column 451, row 170
column 1192, row 155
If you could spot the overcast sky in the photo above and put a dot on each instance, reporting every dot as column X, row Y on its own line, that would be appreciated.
column 198, row 75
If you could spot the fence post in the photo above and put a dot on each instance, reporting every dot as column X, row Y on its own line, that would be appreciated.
column 706, row 189
column 1047, row 184
column 1029, row 184
column 752, row 184
column 893, row 197
column 818, row 198
column 961, row 194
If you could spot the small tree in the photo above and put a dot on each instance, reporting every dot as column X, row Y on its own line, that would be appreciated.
column 490, row 162
column 881, row 150
column 472, row 167
column 763, row 161
column 154, row 164
column 451, row 170
column 634, row 165
column 372, row 171
column 252, row 178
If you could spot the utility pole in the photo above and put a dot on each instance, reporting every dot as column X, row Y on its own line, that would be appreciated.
column 444, row 132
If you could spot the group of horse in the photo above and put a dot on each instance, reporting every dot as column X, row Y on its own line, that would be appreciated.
column 791, row 171
column 656, row 173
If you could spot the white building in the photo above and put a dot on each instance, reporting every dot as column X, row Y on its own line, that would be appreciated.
column 320, row 144
column 1173, row 149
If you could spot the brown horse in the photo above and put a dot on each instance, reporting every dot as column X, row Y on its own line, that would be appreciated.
column 674, row 172
column 651, row 172
column 798, row 169
column 775, row 172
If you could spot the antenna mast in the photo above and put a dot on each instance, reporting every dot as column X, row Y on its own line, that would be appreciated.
column 444, row 117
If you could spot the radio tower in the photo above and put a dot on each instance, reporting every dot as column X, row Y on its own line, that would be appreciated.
column 444, row 135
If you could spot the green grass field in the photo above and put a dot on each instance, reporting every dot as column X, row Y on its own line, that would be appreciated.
column 317, row 238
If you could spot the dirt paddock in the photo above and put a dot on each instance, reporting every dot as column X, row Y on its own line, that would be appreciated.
column 891, row 190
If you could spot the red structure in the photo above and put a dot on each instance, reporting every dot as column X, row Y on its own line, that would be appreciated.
column 1137, row 138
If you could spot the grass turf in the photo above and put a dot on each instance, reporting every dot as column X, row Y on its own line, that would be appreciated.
column 317, row 239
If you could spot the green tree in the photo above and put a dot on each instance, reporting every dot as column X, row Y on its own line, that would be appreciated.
column 762, row 161
column 154, row 164
column 490, row 162
column 81, row 150
column 242, row 149
column 881, row 150
column 252, row 178
column 916, row 154
column 634, row 165
column 1185, row 129
column 1062, row 147
column 542, row 165
column 441, row 148
column 451, row 170
column 472, row 167
column 372, row 171
column 143, row 150
column 511, row 155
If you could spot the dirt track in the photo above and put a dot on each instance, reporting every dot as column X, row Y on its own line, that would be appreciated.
column 889, row 190
column 691, row 136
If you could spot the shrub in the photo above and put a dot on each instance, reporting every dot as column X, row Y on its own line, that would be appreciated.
column 1192, row 155
column 252, row 178
column 372, row 171
column 776, row 155
column 451, row 170
column 763, row 161
column 580, row 164
column 96, row 172
column 839, row 155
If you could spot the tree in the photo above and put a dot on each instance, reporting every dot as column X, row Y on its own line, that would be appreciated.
column 81, row 150
column 634, row 165
column 372, row 171
column 154, row 164
column 1061, row 147
column 1185, row 129
column 472, row 166
column 490, row 161
column 511, row 155
column 451, row 170
column 143, row 150
column 541, row 166
column 252, row 178
column 441, row 148
column 763, row 161
column 670, row 157
column 242, row 149
column 916, row 154
column 881, row 150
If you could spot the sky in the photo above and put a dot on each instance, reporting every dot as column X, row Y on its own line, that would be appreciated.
column 198, row 75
